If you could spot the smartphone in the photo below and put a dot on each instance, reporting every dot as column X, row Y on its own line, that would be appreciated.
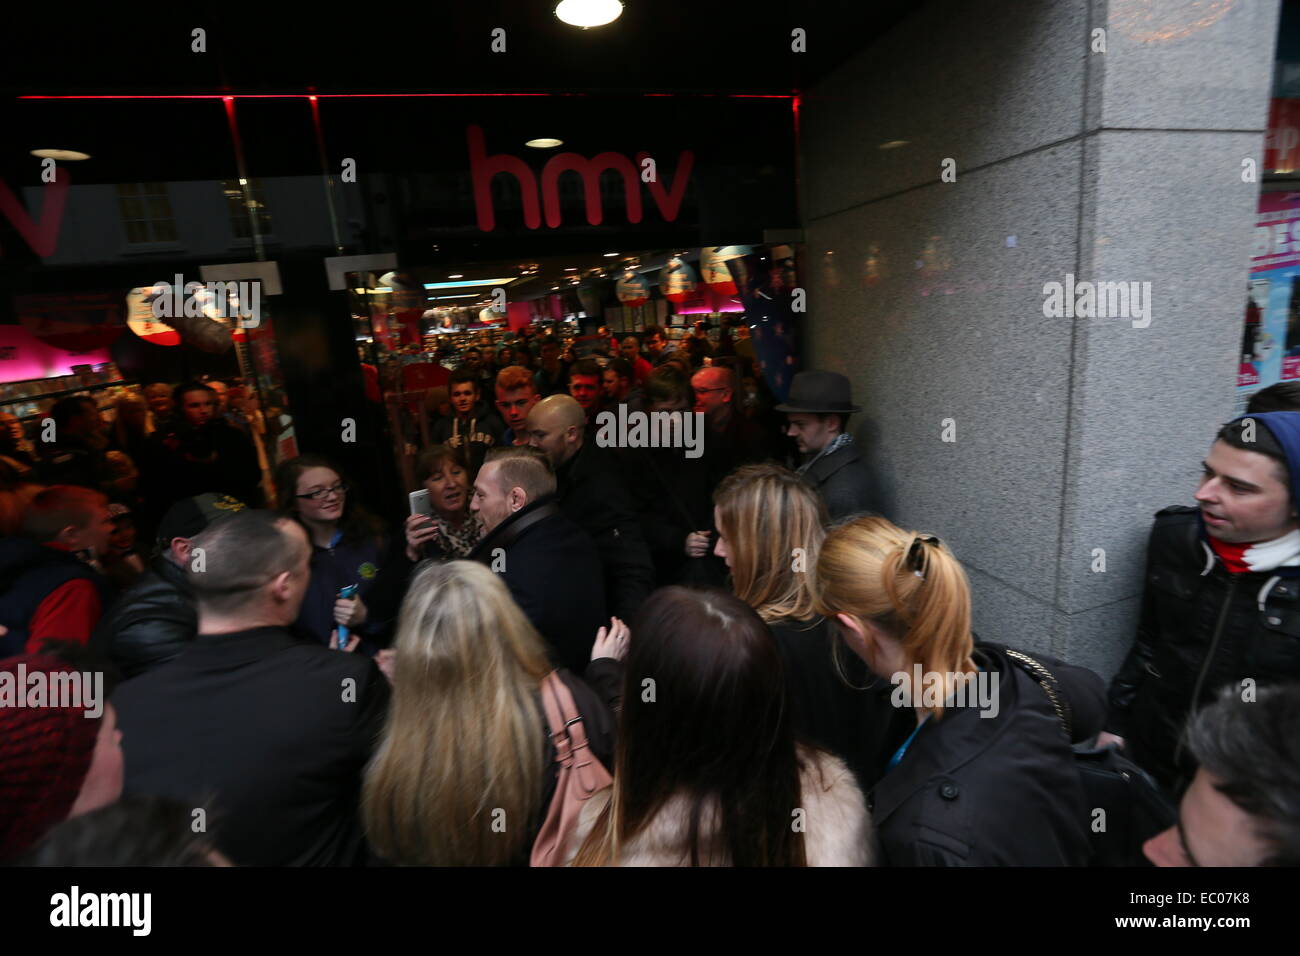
column 420, row 502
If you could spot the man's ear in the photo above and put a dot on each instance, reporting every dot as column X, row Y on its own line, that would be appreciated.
column 180, row 549
column 67, row 534
column 280, row 585
column 517, row 498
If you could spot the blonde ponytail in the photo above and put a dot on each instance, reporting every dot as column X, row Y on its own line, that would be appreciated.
column 908, row 584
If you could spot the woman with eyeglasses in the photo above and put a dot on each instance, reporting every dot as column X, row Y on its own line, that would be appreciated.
column 987, row 776
column 348, row 548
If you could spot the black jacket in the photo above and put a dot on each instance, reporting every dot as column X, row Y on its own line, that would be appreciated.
column 184, row 461
column 859, row 726
column 592, row 494
column 741, row 441
column 553, row 571
column 151, row 623
column 74, row 461
column 994, row 791
column 674, row 497
column 843, row 481
column 270, row 732
column 1201, row 628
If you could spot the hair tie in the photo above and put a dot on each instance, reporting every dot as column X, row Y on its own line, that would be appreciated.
column 917, row 559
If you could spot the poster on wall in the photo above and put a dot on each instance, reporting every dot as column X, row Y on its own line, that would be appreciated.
column 1270, row 341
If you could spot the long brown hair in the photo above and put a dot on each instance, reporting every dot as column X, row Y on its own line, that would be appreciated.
column 909, row 584
column 704, row 720
column 774, row 523
column 356, row 523
column 457, row 778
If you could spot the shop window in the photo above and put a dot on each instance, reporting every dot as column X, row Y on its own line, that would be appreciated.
column 243, row 209
column 146, row 213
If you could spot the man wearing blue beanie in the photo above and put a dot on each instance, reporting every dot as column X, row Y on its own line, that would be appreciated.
column 1221, row 604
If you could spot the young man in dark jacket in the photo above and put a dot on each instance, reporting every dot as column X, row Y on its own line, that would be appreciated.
column 157, row 618
column 472, row 426
column 550, row 565
column 273, row 730
column 1222, row 599
column 200, row 452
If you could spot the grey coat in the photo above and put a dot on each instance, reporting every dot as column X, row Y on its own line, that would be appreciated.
column 843, row 481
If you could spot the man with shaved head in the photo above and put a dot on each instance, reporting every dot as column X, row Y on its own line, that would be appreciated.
column 592, row 493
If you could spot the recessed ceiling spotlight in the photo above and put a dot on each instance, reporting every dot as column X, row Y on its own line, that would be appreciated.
column 63, row 155
column 544, row 142
column 588, row 13
column 893, row 144
column 455, row 275
column 609, row 254
column 570, row 268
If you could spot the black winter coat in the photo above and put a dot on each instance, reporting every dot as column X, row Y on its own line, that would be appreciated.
column 151, row 623
column 553, row 571
column 858, row 726
column 994, row 791
column 674, row 497
column 1201, row 628
column 592, row 494
column 270, row 732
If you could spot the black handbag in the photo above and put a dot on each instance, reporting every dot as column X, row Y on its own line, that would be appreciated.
column 1136, row 808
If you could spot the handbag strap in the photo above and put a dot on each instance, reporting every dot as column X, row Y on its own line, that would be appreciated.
column 567, row 732
column 1046, row 680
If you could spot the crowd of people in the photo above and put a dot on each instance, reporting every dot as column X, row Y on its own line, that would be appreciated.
column 576, row 652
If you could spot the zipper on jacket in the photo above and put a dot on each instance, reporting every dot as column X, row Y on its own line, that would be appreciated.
column 1209, row 659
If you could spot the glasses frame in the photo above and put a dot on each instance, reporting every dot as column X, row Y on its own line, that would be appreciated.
column 341, row 489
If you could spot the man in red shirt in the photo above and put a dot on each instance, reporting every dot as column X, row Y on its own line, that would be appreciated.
column 641, row 369
column 51, row 589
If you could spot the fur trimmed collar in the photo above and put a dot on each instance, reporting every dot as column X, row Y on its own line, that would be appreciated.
column 836, row 825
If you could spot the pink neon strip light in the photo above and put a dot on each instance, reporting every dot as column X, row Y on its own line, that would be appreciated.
column 323, row 96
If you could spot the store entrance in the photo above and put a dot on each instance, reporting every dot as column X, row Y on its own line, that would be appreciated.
column 414, row 328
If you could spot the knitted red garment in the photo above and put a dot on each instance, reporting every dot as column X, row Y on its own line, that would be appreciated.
column 45, row 753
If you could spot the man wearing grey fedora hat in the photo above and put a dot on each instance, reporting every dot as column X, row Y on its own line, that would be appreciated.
column 817, row 414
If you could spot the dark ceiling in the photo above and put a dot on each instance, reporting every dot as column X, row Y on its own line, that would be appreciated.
column 656, row 46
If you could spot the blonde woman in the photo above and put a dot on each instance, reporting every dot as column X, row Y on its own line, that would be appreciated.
column 986, row 777
column 771, row 524
column 464, row 772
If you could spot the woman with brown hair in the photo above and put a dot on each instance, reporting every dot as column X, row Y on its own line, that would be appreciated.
column 465, row 771
column 449, row 530
column 347, row 548
column 708, row 771
column 771, row 524
column 987, row 777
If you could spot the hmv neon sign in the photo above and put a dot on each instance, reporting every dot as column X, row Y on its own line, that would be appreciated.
column 547, row 198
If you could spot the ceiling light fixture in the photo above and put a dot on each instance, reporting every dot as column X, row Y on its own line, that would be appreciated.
column 588, row 13
column 893, row 144
column 62, row 155
column 544, row 143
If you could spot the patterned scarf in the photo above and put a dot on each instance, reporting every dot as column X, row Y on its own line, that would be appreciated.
column 458, row 542
column 840, row 440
